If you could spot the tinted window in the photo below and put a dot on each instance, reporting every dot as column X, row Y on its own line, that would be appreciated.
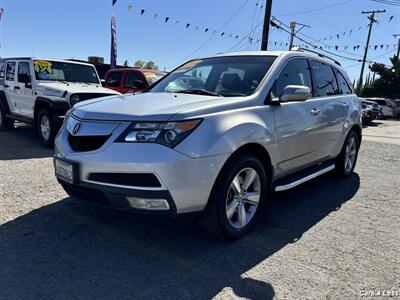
column 114, row 79
column 23, row 68
column 295, row 72
column 10, row 74
column 131, row 77
column 229, row 76
column 324, row 79
column 344, row 86
column 2, row 65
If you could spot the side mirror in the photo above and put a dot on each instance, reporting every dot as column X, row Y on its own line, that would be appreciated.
column 295, row 93
column 139, row 84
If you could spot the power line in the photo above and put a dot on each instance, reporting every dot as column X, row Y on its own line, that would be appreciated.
column 316, row 9
column 218, row 31
column 390, row 2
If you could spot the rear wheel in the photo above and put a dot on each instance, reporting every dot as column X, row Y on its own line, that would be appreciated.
column 237, row 198
column 46, row 128
column 346, row 161
column 5, row 122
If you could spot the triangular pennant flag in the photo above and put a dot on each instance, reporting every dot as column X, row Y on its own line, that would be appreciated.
column 230, row 35
column 387, row 47
column 354, row 48
column 155, row 16
column 375, row 47
column 142, row 12
column 113, row 2
column 187, row 25
column 206, row 30
column 129, row 7
column 214, row 32
column 197, row 28
column 222, row 34
column 337, row 36
column 359, row 28
column 344, row 33
column 236, row 37
column 351, row 31
column 382, row 46
column 177, row 22
column 336, row 47
column 346, row 47
column 391, row 18
column 166, row 19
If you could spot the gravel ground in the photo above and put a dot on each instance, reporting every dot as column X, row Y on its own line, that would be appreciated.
column 327, row 239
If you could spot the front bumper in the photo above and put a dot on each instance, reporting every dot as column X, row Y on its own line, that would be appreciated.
column 185, row 182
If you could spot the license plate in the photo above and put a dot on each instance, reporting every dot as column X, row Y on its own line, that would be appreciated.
column 64, row 170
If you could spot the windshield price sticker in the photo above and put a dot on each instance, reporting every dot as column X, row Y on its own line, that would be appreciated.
column 43, row 66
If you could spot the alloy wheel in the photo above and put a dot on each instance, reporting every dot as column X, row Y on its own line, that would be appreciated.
column 350, row 155
column 45, row 127
column 243, row 198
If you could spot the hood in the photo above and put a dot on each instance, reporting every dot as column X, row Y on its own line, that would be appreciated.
column 146, row 106
column 56, row 88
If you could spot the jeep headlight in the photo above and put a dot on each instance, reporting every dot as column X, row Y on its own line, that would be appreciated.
column 168, row 134
column 74, row 99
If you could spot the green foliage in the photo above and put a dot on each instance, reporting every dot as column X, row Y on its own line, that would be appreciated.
column 139, row 63
column 388, row 83
column 150, row 65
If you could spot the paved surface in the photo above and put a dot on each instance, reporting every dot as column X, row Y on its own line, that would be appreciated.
column 327, row 239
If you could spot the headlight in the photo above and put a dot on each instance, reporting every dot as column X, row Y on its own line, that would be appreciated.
column 168, row 134
column 74, row 99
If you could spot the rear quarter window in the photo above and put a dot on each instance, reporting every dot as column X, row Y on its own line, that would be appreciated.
column 324, row 79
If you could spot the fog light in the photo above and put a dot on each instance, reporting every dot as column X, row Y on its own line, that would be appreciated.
column 150, row 204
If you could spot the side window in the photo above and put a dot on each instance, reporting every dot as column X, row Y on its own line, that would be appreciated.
column 114, row 79
column 295, row 72
column 131, row 77
column 23, row 69
column 2, row 65
column 344, row 86
column 10, row 73
column 324, row 79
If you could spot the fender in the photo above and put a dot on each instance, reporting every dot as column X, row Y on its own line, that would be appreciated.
column 3, row 102
column 57, row 107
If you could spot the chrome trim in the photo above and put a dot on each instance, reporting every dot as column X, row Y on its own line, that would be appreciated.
column 289, row 186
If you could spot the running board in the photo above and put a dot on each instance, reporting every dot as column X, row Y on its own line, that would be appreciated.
column 297, row 181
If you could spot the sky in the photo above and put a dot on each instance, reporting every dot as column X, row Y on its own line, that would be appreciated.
column 81, row 28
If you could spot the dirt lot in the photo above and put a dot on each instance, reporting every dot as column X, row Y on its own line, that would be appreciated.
column 326, row 239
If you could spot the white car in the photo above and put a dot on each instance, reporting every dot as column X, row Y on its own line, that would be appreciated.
column 41, row 91
column 388, row 106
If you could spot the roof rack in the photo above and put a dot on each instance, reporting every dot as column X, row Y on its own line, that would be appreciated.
column 315, row 52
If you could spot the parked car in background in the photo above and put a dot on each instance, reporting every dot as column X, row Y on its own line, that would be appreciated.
column 131, row 80
column 388, row 106
column 397, row 110
column 370, row 111
column 261, row 121
column 40, row 91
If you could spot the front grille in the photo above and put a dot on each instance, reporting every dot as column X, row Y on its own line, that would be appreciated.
column 88, row 96
column 86, row 143
column 133, row 179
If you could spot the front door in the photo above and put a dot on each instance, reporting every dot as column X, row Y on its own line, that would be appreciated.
column 9, row 86
column 23, row 92
column 297, row 124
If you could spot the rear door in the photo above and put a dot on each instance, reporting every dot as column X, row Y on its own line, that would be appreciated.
column 131, row 82
column 9, row 85
column 333, row 107
column 297, row 124
column 114, row 80
column 23, row 92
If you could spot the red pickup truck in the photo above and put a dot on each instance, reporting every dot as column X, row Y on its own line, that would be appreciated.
column 130, row 80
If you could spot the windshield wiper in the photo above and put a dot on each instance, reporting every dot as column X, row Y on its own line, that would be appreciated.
column 198, row 92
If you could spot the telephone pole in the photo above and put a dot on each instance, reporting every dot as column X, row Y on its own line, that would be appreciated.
column 267, row 20
column 372, row 20
column 293, row 33
column 398, row 44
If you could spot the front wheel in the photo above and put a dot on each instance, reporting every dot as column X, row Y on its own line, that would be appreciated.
column 236, row 199
column 5, row 122
column 346, row 161
column 46, row 128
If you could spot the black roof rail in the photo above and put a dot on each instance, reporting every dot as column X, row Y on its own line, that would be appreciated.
column 315, row 52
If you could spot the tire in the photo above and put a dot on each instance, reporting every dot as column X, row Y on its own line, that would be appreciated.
column 223, row 201
column 6, row 123
column 46, row 128
column 342, row 167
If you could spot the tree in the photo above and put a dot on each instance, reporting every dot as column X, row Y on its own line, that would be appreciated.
column 139, row 63
column 125, row 63
column 151, row 65
column 388, row 82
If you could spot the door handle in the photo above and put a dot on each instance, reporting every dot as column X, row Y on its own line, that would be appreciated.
column 345, row 105
column 17, row 88
column 6, row 86
column 315, row 111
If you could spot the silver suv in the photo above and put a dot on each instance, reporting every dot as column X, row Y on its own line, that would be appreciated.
column 215, row 136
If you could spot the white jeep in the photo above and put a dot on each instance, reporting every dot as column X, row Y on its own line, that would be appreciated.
column 41, row 91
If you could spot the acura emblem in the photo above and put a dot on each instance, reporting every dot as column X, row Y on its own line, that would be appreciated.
column 76, row 129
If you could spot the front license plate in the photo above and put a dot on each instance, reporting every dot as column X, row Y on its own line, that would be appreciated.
column 64, row 170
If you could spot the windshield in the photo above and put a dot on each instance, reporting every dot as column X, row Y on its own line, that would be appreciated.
column 153, row 77
column 63, row 71
column 229, row 76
